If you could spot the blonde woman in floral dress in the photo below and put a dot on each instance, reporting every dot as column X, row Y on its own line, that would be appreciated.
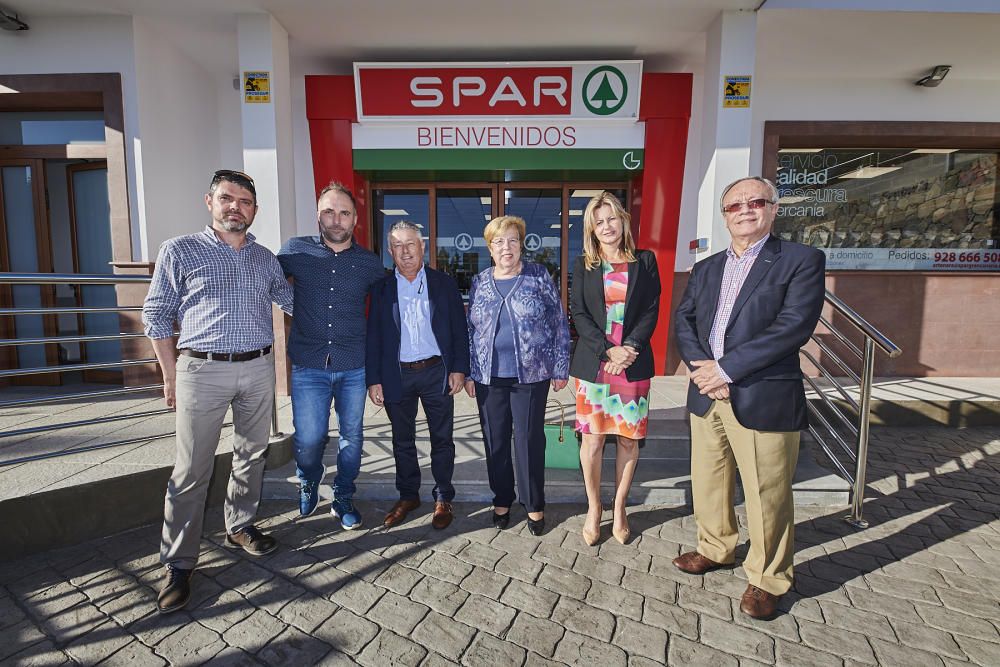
column 614, row 303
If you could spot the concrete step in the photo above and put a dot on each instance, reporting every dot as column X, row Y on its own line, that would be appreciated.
column 663, row 475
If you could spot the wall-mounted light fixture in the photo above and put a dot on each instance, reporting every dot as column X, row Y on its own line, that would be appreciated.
column 935, row 78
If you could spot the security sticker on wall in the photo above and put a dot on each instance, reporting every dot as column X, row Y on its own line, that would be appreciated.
column 736, row 92
column 257, row 87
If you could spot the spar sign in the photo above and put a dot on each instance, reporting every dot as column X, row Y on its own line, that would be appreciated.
column 478, row 91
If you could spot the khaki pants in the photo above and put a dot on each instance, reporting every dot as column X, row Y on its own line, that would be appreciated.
column 205, row 390
column 766, row 461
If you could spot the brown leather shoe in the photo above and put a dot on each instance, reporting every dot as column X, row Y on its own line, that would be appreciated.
column 758, row 603
column 399, row 512
column 694, row 563
column 442, row 515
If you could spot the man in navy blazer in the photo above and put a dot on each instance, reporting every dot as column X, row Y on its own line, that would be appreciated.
column 417, row 348
column 744, row 315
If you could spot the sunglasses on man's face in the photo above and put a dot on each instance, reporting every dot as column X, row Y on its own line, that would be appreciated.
column 752, row 204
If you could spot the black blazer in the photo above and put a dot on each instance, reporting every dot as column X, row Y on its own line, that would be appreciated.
column 773, row 316
column 447, row 324
column 642, row 307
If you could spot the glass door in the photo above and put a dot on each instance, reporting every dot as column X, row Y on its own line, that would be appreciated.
column 90, row 222
column 462, row 214
column 542, row 211
column 453, row 216
column 412, row 204
column 25, row 249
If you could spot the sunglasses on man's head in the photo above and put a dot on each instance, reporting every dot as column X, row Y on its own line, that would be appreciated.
column 230, row 173
column 752, row 204
column 237, row 177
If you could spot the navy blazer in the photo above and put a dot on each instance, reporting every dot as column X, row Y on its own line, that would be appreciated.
column 774, row 314
column 447, row 324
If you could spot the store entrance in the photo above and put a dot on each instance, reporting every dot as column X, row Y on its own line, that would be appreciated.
column 453, row 215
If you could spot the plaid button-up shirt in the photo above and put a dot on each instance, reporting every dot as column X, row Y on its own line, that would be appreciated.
column 221, row 297
column 735, row 274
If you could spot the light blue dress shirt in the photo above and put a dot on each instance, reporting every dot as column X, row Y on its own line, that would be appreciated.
column 416, row 338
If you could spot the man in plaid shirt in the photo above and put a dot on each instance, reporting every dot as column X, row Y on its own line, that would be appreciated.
column 745, row 314
column 218, row 285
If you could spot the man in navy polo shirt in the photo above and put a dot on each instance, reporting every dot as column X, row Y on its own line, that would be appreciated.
column 331, row 275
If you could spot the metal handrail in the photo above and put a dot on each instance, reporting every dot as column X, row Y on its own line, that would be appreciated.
column 81, row 279
column 66, row 310
column 862, row 325
column 860, row 424
column 69, row 279
column 10, row 342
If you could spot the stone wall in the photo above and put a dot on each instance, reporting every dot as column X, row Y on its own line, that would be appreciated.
column 959, row 208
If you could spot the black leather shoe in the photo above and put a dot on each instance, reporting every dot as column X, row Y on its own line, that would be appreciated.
column 501, row 521
column 536, row 528
column 176, row 590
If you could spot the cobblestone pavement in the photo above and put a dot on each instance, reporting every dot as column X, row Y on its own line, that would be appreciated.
column 919, row 587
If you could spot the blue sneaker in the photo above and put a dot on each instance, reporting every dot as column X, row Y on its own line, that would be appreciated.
column 343, row 509
column 309, row 495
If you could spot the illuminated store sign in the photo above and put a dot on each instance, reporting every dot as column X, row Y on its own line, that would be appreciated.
column 597, row 90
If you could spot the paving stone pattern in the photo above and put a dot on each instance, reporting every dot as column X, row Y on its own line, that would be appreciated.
column 919, row 587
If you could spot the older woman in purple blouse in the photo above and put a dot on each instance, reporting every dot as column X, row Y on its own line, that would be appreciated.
column 519, row 339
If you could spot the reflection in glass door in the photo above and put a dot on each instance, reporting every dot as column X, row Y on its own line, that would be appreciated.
column 391, row 206
column 578, row 200
column 462, row 213
column 25, row 249
column 453, row 216
column 90, row 221
column 541, row 210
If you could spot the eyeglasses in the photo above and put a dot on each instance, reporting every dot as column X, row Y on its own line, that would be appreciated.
column 752, row 204
column 234, row 176
column 500, row 243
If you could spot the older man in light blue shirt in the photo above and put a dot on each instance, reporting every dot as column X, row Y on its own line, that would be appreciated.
column 415, row 317
column 417, row 350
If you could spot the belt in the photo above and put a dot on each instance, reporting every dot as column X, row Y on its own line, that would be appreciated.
column 420, row 365
column 224, row 356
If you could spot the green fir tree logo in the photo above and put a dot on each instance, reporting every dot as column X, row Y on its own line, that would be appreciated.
column 599, row 94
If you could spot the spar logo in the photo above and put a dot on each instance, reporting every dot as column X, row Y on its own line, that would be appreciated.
column 604, row 90
column 595, row 90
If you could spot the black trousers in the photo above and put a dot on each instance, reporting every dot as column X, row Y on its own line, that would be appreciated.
column 508, row 408
column 427, row 385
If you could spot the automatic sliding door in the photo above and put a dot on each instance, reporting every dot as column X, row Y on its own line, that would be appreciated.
column 578, row 200
column 392, row 206
column 462, row 213
column 542, row 213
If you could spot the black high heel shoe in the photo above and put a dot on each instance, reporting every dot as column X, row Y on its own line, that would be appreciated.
column 536, row 528
column 501, row 521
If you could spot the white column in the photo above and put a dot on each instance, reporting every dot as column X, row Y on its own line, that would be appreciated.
column 725, row 137
column 267, row 128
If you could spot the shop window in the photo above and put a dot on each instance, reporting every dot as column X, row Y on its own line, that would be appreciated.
column 888, row 195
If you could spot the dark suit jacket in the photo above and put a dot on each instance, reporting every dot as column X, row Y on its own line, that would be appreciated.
column 642, row 307
column 447, row 324
column 773, row 316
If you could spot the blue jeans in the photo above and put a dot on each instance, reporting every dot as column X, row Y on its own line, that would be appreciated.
column 312, row 391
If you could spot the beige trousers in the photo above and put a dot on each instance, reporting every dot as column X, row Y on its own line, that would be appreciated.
column 766, row 461
column 205, row 390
